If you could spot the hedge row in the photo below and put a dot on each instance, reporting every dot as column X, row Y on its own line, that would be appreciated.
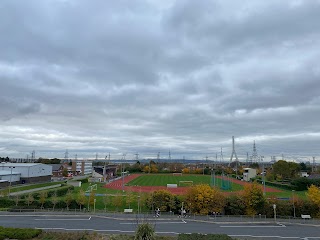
column 59, row 191
column 302, row 184
column 18, row 233
column 278, row 185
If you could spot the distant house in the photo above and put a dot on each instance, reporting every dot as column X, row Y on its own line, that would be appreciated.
column 249, row 173
column 304, row 174
column 57, row 170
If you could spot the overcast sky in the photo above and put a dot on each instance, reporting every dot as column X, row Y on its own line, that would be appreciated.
column 148, row 76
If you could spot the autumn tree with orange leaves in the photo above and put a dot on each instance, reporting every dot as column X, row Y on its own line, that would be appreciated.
column 254, row 199
column 314, row 196
column 203, row 199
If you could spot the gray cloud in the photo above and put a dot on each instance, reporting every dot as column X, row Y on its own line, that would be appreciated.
column 145, row 76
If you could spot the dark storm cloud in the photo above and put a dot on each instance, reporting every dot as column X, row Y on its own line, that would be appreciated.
column 149, row 76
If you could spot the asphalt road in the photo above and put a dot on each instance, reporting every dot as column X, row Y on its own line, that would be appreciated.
column 128, row 223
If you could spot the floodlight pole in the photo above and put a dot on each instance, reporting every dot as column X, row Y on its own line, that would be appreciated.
column 10, row 181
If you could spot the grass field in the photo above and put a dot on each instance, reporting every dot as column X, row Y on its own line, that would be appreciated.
column 163, row 180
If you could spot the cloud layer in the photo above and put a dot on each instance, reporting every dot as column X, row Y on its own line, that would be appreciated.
column 149, row 76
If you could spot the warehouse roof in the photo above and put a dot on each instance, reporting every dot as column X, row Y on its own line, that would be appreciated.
column 8, row 164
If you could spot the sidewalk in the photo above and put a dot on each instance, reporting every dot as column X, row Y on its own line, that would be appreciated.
column 34, row 190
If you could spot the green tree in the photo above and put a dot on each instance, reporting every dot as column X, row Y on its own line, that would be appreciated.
column 92, row 197
column 106, row 201
column 17, row 199
column 160, row 199
column 129, row 198
column 286, row 169
column 81, row 198
column 68, row 199
column 117, row 200
column 54, row 200
column 43, row 198
column 29, row 199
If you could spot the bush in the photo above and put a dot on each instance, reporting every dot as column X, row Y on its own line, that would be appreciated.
column 18, row 233
column 86, row 180
column 6, row 202
column 198, row 236
column 144, row 232
column 302, row 184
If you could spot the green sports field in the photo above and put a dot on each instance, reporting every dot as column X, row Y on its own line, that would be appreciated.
column 163, row 180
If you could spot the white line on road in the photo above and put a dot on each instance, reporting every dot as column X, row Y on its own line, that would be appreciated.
column 157, row 222
column 255, row 226
column 96, row 230
column 63, row 219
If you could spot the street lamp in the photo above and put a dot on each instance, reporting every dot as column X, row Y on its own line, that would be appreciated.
column 294, row 207
column 274, row 212
column 10, row 181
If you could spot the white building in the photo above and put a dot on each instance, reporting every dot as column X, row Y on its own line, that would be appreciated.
column 249, row 173
column 29, row 172
column 82, row 167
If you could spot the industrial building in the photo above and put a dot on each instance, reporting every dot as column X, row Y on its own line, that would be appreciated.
column 25, row 172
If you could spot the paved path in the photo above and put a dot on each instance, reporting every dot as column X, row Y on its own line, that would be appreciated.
column 34, row 190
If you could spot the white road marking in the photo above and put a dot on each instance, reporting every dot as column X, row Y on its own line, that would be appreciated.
column 96, row 230
column 182, row 222
column 63, row 219
column 255, row 226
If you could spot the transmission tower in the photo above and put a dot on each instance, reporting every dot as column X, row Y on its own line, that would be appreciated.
column 254, row 157
column 247, row 160
column 137, row 156
column 66, row 155
column 233, row 154
column 96, row 156
column 221, row 156
column 33, row 156
column 158, row 157
column 314, row 164
column 169, row 156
